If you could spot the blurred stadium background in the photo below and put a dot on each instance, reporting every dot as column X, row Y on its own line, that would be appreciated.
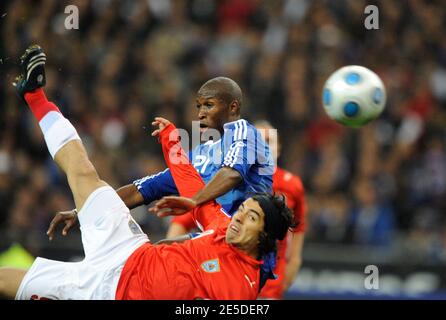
column 376, row 195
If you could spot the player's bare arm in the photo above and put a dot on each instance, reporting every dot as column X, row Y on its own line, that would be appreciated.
column 178, row 239
column 223, row 181
column 294, row 260
column 131, row 196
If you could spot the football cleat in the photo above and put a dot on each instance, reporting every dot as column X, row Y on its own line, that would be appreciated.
column 32, row 65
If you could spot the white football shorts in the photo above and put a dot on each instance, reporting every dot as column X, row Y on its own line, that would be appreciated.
column 109, row 236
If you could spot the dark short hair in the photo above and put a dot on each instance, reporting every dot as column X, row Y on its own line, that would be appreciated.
column 278, row 220
column 226, row 90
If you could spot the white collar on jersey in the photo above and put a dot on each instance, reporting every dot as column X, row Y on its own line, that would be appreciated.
column 227, row 124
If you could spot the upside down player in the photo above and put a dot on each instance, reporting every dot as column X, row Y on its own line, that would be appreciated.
column 120, row 262
column 289, row 251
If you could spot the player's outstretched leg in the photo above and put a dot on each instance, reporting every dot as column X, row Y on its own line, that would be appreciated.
column 44, row 278
column 62, row 141
column 61, row 137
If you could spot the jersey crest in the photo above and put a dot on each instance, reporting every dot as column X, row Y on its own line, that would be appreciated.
column 211, row 266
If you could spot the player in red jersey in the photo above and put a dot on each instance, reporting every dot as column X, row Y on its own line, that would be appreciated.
column 289, row 251
column 120, row 262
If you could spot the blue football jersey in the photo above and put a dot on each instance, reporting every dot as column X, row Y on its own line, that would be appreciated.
column 241, row 147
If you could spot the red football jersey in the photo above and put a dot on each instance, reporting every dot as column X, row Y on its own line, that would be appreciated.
column 292, row 188
column 206, row 267
column 186, row 220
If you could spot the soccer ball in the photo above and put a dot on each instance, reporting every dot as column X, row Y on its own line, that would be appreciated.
column 353, row 96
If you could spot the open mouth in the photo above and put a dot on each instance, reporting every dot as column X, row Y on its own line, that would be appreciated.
column 235, row 229
column 203, row 127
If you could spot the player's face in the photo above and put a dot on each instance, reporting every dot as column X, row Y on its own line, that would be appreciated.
column 246, row 225
column 212, row 112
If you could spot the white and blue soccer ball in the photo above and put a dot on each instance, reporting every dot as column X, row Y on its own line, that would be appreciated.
column 354, row 96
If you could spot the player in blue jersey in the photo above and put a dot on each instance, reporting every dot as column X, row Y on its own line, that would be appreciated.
column 234, row 164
